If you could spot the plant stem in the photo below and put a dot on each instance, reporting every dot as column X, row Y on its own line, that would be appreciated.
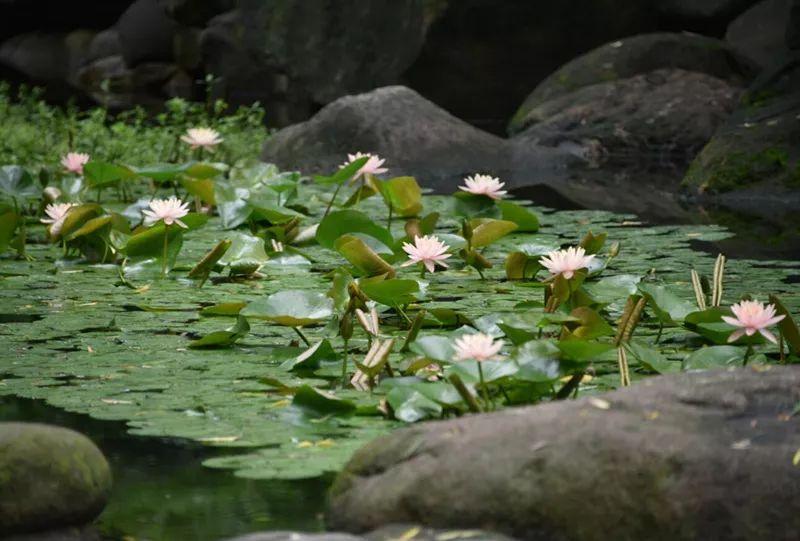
column 333, row 198
column 465, row 394
column 389, row 221
column 747, row 354
column 484, row 390
column 569, row 386
column 164, row 255
column 344, row 366
column 302, row 336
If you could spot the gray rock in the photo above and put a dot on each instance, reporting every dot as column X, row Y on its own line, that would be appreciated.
column 321, row 50
column 759, row 32
column 146, row 33
column 50, row 477
column 695, row 456
column 146, row 84
column 104, row 44
column 756, row 148
column 415, row 137
column 81, row 533
column 702, row 9
column 637, row 55
column 42, row 57
column 793, row 26
column 195, row 12
column 653, row 121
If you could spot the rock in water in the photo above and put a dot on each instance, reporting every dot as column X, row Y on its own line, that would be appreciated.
column 50, row 477
column 695, row 456
column 414, row 135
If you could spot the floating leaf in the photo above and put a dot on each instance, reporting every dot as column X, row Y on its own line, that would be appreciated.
column 583, row 350
column 486, row 231
column 651, row 358
column 525, row 219
column 433, row 347
column 403, row 196
column 203, row 268
column 410, row 406
column 521, row 266
column 714, row 357
column 392, row 292
column 787, row 325
column 590, row 324
column 101, row 174
column 539, row 361
column 667, row 307
column 362, row 257
column 246, row 254
column 321, row 402
column 311, row 358
column 293, row 308
column 223, row 309
column 223, row 339
column 346, row 222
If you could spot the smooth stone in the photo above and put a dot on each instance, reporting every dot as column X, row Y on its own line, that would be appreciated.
column 415, row 136
column 692, row 456
column 653, row 121
column 50, row 477
column 759, row 32
column 638, row 55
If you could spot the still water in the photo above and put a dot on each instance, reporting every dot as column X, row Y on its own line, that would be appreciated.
column 162, row 493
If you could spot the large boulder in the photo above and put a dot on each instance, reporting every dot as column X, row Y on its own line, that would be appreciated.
column 146, row 33
column 50, row 477
column 756, row 149
column 696, row 456
column 793, row 26
column 46, row 58
column 415, row 137
column 195, row 12
column 111, row 82
column 701, row 9
column 759, row 33
column 482, row 57
column 639, row 55
column 311, row 53
column 655, row 120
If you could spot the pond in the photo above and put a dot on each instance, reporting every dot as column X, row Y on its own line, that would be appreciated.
column 209, row 442
column 162, row 492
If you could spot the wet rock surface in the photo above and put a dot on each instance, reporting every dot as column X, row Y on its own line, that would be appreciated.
column 391, row 532
column 418, row 137
column 705, row 455
column 50, row 478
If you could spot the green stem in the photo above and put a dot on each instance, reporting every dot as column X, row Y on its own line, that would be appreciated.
column 333, row 198
column 747, row 354
column 489, row 405
column 344, row 366
column 302, row 336
column 166, row 250
column 389, row 221
column 660, row 330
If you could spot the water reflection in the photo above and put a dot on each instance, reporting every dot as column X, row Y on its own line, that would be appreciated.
column 163, row 493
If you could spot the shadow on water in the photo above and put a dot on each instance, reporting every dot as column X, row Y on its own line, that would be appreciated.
column 763, row 229
column 163, row 493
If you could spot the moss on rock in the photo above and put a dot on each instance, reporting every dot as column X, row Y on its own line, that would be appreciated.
column 49, row 477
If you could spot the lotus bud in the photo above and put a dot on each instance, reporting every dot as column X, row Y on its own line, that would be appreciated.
column 346, row 326
column 614, row 250
column 51, row 194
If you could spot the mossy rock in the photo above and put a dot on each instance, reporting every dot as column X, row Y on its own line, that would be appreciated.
column 637, row 55
column 704, row 455
column 757, row 146
column 50, row 477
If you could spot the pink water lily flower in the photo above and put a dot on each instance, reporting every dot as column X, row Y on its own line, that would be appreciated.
column 566, row 262
column 170, row 210
column 484, row 185
column 56, row 214
column 752, row 317
column 479, row 347
column 202, row 138
column 372, row 167
column 428, row 250
column 73, row 162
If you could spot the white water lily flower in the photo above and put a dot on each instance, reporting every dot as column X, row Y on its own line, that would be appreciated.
column 56, row 213
column 478, row 347
column 484, row 185
column 566, row 262
column 73, row 162
column 372, row 167
column 428, row 250
column 202, row 138
column 170, row 210
column 752, row 317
